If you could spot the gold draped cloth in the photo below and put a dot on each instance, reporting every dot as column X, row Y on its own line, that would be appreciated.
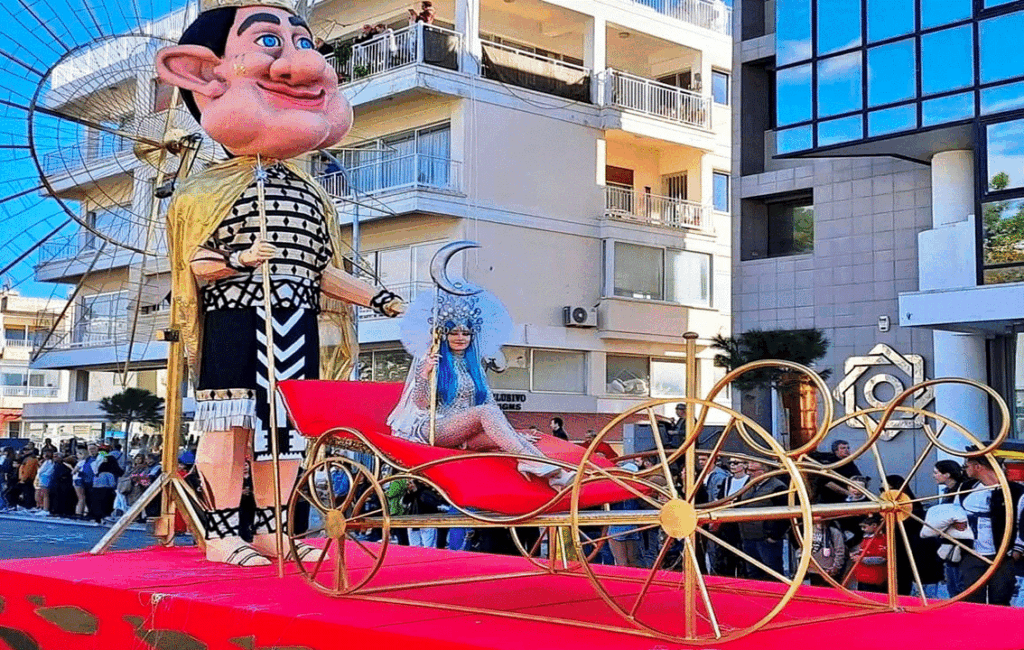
column 199, row 205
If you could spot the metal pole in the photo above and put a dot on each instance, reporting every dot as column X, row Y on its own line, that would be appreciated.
column 689, row 474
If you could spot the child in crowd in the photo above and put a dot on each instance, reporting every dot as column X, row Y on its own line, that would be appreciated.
column 859, row 495
column 871, row 559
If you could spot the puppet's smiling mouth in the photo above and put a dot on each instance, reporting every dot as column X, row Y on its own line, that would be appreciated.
column 295, row 96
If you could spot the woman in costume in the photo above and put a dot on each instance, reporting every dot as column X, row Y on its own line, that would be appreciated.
column 469, row 329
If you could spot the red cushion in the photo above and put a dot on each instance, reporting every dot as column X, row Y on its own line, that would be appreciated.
column 492, row 484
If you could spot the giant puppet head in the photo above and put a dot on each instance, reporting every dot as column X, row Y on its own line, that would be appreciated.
column 250, row 74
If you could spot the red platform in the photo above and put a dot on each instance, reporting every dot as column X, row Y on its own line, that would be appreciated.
column 173, row 600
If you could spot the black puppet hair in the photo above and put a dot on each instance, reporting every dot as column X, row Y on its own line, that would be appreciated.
column 210, row 29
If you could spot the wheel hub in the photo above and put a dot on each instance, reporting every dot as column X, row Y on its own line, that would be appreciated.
column 678, row 518
column 335, row 524
column 898, row 502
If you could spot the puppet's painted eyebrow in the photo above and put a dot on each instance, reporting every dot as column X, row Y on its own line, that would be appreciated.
column 257, row 18
column 298, row 22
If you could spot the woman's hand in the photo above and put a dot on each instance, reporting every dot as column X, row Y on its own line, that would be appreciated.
column 428, row 365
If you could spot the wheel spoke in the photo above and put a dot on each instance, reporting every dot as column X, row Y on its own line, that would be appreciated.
column 688, row 547
column 913, row 562
column 917, row 466
column 307, row 534
column 320, row 561
column 881, row 468
column 665, row 467
column 367, row 515
column 715, row 451
column 625, row 485
column 362, row 546
column 745, row 502
column 650, row 577
column 985, row 488
column 535, row 549
column 597, row 540
column 761, row 565
column 952, row 540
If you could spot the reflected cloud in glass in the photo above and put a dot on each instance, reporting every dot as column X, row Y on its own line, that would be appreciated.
column 892, row 120
column 891, row 73
column 792, row 31
column 1000, row 47
column 1002, row 98
column 947, row 109
column 1005, row 154
column 844, row 129
column 839, row 84
column 838, row 25
column 947, row 60
column 889, row 18
column 943, row 12
column 793, row 92
column 796, row 139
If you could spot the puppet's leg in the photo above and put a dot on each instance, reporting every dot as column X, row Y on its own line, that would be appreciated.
column 265, row 539
column 220, row 459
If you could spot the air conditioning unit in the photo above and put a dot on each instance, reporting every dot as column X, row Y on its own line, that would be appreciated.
column 575, row 316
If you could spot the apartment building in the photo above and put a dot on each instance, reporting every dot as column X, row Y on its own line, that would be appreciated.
column 584, row 144
column 877, row 184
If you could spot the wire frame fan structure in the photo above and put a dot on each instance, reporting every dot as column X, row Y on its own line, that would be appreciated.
column 90, row 141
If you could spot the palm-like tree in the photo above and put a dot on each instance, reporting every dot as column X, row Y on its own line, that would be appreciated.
column 133, row 405
column 803, row 346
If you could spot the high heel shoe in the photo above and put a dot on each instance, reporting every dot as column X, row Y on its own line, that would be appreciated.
column 530, row 468
column 562, row 479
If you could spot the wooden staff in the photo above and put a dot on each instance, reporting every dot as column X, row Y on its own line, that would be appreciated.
column 261, row 178
column 435, row 345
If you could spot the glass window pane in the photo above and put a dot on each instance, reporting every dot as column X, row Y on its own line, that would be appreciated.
column 1000, row 54
column 517, row 370
column 789, row 140
column 947, row 60
column 790, row 227
column 638, row 271
column 364, row 366
column 559, row 372
column 720, row 87
column 839, row 84
column 15, row 333
column 943, row 12
column 1002, row 98
column 996, row 3
column 627, row 375
column 394, row 267
column 1003, row 248
column 793, row 95
column 720, row 189
column 668, row 378
column 391, row 365
column 838, row 25
column 889, row 18
column 947, row 109
column 688, row 278
column 792, row 31
column 891, row 120
column 891, row 75
column 842, row 130
column 1005, row 145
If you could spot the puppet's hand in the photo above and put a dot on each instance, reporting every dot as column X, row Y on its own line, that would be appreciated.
column 395, row 307
column 259, row 252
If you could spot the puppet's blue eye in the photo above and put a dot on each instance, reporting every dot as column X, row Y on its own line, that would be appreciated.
column 268, row 40
column 304, row 44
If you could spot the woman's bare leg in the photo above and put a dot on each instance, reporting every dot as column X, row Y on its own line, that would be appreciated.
column 483, row 428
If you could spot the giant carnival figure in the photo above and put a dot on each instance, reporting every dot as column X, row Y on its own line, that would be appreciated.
column 250, row 74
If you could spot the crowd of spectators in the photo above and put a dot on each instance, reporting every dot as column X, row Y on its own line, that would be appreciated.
column 89, row 480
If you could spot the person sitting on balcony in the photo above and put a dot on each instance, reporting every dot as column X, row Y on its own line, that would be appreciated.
column 251, row 76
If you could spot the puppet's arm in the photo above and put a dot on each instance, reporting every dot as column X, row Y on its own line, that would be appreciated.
column 342, row 286
column 211, row 265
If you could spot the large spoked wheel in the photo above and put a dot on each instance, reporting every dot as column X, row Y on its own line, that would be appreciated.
column 904, row 524
column 347, row 508
column 551, row 548
column 685, row 537
column 342, row 441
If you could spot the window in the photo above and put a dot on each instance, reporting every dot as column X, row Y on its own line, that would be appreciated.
column 888, row 81
column 720, row 87
column 384, row 365
column 412, row 158
column 650, row 273
column 101, row 318
column 947, row 60
column 943, row 12
column 14, row 429
column 793, row 87
column 1002, row 208
column 838, row 25
column 999, row 47
column 12, row 334
column 543, row 371
column 839, row 87
column 777, row 227
column 793, row 31
column 889, row 18
column 405, row 270
column 720, row 191
column 644, row 376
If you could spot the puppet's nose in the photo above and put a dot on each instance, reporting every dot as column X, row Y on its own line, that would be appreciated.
column 299, row 67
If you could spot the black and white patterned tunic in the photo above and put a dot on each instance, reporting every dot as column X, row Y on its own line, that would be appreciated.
column 233, row 382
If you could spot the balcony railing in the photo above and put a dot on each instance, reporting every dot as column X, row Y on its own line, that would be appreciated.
column 18, row 343
column 69, row 159
column 657, row 99
column 650, row 209
column 407, row 291
column 29, row 391
column 411, row 171
column 543, row 74
column 709, row 14
column 419, row 43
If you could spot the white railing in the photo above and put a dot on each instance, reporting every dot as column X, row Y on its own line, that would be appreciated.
column 407, row 291
column 709, row 14
column 19, row 343
column 29, row 391
column 651, row 209
column 419, row 43
column 69, row 159
column 631, row 92
column 414, row 171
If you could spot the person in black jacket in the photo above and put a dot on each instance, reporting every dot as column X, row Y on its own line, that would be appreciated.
column 762, row 540
column 986, row 515
column 62, row 491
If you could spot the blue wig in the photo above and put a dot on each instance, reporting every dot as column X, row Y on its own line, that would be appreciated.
column 448, row 383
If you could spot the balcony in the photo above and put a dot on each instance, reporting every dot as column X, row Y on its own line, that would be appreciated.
column 653, row 210
column 416, row 44
column 413, row 171
column 707, row 14
column 630, row 92
column 509, row 65
column 70, row 159
column 30, row 391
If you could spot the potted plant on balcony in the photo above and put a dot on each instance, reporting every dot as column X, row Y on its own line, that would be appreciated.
column 798, row 395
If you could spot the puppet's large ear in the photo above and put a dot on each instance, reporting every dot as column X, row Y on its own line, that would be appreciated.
column 190, row 67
